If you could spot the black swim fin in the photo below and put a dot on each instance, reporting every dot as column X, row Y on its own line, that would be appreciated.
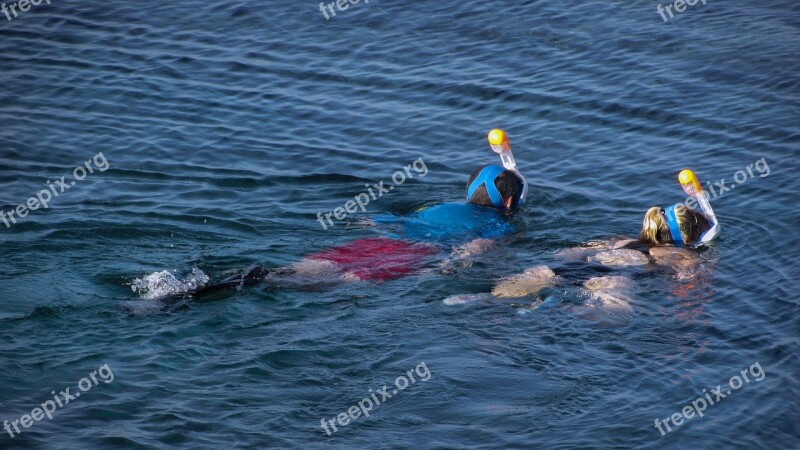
column 250, row 276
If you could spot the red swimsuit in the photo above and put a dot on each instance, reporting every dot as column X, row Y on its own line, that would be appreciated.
column 377, row 258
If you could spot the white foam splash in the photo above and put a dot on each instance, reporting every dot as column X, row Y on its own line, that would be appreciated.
column 164, row 284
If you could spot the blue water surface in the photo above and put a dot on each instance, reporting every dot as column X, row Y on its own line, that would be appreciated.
column 228, row 126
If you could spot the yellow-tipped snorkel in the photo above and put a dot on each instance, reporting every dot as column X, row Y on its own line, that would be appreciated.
column 691, row 186
column 498, row 141
column 689, row 182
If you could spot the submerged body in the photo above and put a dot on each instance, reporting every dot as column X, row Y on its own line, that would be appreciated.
column 412, row 244
column 409, row 243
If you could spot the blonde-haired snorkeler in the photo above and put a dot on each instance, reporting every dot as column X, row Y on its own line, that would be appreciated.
column 656, row 227
column 666, row 233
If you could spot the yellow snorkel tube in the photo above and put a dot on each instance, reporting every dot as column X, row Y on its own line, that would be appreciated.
column 498, row 141
column 691, row 186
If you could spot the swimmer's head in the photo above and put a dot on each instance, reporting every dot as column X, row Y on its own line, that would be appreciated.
column 689, row 223
column 494, row 186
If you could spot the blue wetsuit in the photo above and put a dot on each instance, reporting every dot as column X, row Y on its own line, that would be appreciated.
column 452, row 223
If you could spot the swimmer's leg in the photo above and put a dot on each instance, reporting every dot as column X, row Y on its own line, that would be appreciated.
column 202, row 293
column 305, row 273
column 588, row 249
column 310, row 273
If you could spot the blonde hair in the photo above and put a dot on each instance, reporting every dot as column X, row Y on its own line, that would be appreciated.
column 655, row 230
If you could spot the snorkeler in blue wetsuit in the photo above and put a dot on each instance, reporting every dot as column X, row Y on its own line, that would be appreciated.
column 493, row 194
column 455, row 223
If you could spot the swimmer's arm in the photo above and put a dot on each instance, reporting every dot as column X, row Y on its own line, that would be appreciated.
column 360, row 222
column 387, row 219
column 472, row 248
column 625, row 243
column 591, row 247
column 461, row 254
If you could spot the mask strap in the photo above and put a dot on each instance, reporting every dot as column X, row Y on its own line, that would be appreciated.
column 486, row 178
column 672, row 223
